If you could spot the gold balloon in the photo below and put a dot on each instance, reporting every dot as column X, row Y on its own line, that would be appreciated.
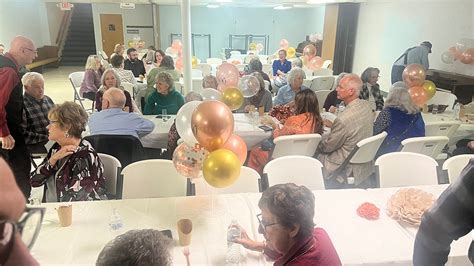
column 194, row 62
column 233, row 97
column 430, row 88
column 252, row 46
column 221, row 168
column 291, row 52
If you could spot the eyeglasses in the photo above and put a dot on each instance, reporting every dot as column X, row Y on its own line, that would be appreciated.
column 262, row 225
column 31, row 50
column 28, row 227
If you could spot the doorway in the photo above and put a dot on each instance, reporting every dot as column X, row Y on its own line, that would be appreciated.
column 111, row 26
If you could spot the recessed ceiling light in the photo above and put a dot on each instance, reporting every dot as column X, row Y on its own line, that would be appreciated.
column 282, row 7
column 212, row 6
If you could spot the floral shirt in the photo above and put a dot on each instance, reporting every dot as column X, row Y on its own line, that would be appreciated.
column 79, row 177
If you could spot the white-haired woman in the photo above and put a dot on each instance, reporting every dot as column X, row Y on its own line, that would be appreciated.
column 400, row 118
column 91, row 83
column 286, row 94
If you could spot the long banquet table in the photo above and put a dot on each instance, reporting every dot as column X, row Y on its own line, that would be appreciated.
column 466, row 130
column 358, row 241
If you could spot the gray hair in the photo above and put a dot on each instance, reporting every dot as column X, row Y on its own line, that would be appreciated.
column 338, row 79
column 192, row 96
column 295, row 72
column 398, row 84
column 400, row 98
column 166, row 78
column 255, row 65
column 354, row 81
column 259, row 77
column 297, row 62
column 29, row 77
column 137, row 247
column 102, row 79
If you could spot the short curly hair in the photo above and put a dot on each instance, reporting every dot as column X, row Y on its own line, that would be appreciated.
column 166, row 78
column 290, row 204
column 71, row 117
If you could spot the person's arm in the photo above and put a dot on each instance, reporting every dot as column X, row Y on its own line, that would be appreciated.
column 382, row 122
column 98, row 101
column 150, row 79
column 275, row 67
column 291, row 126
column 128, row 102
column 330, row 100
column 46, row 169
column 132, row 78
column 142, row 68
column 89, row 80
column 448, row 219
column 336, row 138
column 149, row 106
column 144, row 126
column 268, row 103
column 9, row 79
column 279, row 98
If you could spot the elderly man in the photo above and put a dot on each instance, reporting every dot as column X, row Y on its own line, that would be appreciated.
column 13, row 250
column 137, row 247
column 286, row 94
column 112, row 120
column 125, row 75
column 35, row 115
column 22, row 52
column 134, row 64
column 414, row 55
column 352, row 125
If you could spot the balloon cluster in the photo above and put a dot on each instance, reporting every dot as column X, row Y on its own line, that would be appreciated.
column 310, row 59
column 258, row 47
column 421, row 90
column 176, row 51
column 136, row 43
column 209, row 143
column 463, row 51
column 233, row 88
column 290, row 51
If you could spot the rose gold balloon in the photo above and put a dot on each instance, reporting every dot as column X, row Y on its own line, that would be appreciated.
column 418, row 95
column 414, row 75
column 468, row 56
column 455, row 52
column 284, row 44
column 309, row 51
column 237, row 145
column 212, row 124
column 188, row 160
column 227, row 76
column 315, row 63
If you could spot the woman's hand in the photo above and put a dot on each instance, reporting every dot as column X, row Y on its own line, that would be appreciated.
column 470, row 144
column 332, row 109
column 63, row 152
column 248, row 243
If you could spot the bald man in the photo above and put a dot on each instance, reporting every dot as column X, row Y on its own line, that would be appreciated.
column 112, row 120
column 22, row 52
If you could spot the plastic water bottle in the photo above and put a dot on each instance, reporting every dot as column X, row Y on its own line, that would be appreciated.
column 116, row 223
column 233, row 249
column 456, row 109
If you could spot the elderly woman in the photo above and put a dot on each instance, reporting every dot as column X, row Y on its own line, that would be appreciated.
column 287, row 224
column 306, row 120
column 286, row 94
column 400, row 118
column 72, row 170
column 110, row 79
column 371, row 90
column 256, row 66
column 91, row 82
column 118, row 49
column 167, row 65
column 165, row 97
column 263, row 98
column 209, row 81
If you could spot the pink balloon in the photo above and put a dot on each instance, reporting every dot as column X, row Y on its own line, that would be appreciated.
column 179, row 64
column 227, row 76
column 237, row 145
column 188, row 160
column 177, row 45
column 315, row 63
column 284, row 44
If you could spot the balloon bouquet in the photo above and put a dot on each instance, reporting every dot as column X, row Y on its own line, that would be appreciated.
column 207, row 127
column 461, row 56
column 421, row 90
column 290, row 51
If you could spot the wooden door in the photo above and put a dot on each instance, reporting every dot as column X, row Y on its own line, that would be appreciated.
column 112, row 31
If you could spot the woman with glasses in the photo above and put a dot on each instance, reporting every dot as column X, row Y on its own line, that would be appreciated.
column 371, row 90
column 72, row 170
column 286, row 222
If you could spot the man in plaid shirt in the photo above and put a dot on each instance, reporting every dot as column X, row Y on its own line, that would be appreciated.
column 35, row 113
column 451, row 217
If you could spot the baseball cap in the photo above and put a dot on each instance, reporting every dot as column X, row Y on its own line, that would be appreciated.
column 427, row 44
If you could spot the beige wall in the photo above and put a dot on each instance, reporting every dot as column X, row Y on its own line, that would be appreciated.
column 54, row 15
column 330, row 29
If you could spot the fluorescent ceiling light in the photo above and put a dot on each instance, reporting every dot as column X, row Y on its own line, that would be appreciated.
column 212, row 6
column 320, row 1
column 223, row 1
column 282, row 7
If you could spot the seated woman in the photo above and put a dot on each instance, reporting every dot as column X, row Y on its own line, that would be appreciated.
column 286, row 94
column 371, row 90
column 209, row 81
column 110, row 79
column 400, row 118
column 306, row 120
column 256, row 66
column 263, row 98
column 167, row 65
column 331, row 102
column 72, row 170
column 118, row 49
column 287, row 224
column 165, row 97
column 91, row 82
column 153, row 60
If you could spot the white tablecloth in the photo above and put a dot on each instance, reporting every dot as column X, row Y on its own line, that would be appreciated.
column 251, row 134
column 466, row 130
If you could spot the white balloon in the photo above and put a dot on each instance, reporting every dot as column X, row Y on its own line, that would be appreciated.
column 183, row 122
column 447, row 58
column 249, row 86
column 211, row 94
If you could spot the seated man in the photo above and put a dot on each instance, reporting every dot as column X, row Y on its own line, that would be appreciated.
column 134, row 64
column 125, row 75
column 137, row 247
column 13, row 250
column 352, row 125
column 112, row 120
column 35, row 113
column 286, row 94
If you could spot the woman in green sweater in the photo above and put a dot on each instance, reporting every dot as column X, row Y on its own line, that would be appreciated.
column 164, row 97
column 167, row 65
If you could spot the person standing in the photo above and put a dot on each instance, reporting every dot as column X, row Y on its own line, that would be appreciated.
column 414, row 55
column 22, row 52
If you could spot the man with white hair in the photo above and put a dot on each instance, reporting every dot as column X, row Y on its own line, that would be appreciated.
column 22, row 52
column 352, row 125
column 112, row 120
column 35, row 115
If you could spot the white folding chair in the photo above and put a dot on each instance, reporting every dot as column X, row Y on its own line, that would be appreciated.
column 214, row 61
column 267, row 85
column 127, row 86
column 322, row 95
column 301, row 170
column 197, row 85
column 444, row 98
column 429, row 146
column 155, row 178
column 196, row 73
column 307, row 72
column 323, row 72
column 301, row 144
column 443, row 128
column 235, row 53
column 76, row 79
column 178, row 86
column 364, row 152
column 112, row 168
column 140, row 99
column 248, row 182
column 326, row 64
column 399, row 169
column 205, row 68
column 322, row 83
column 454, row 165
